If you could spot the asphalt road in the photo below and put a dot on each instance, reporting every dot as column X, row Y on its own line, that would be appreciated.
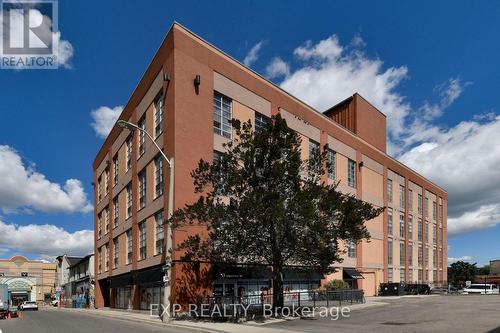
column 46, row 321
column 460, row 313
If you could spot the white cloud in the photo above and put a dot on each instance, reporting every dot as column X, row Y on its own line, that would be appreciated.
column 104, row 118
column 45, row 240
column 253, row 54
column 462, row 158
column 462, row 258
column 63, row 49
column 22, row 187
column 277, row 68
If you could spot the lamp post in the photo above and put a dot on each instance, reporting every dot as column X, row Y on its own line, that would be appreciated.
column 168, row 264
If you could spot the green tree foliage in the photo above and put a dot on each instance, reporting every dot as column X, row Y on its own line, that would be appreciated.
column 336, row 284
column 459, row 272
column 263, row 204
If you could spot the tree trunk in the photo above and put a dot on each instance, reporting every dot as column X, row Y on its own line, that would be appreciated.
column 278, row 300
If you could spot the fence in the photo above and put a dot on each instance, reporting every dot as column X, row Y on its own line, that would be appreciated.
column 254, row 304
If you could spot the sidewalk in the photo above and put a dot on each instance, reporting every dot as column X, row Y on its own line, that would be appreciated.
column 206, row 326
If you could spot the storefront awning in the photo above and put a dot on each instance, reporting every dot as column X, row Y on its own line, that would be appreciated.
column 120, row 281
column 353, row 273
column 150, row 276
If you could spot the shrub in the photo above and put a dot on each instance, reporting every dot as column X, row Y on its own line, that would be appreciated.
column 337, row 284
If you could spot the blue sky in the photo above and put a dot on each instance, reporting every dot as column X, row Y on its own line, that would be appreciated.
column 430, row 66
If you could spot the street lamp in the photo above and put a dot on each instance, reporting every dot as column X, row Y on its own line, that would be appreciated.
column 167, row 268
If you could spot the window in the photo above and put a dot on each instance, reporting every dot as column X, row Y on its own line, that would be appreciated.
column 419, row 276
column 419, row 203
column 419, row 230
column 159, row 115
column 440, row 214
column 426, row 232
column 142, row 240
column 389, row 252
column 99, row 225
column 106, row 249
column 129, row 153
column 99, row 259
column 389, row 190
column 389, row 275
column 427, row 256
column 434, row 257
column 142, row 135
column 129, row 200
column 434, row 209
column 410, row 255
column 426, row 207
column 434, row 277
column 420, row 255
column 410, row 200
column 434, row 234
column 402, row 226
column 99, row 189
column 351, row 175
column 116, row 169
column 219, row 187
column 116, row 210
column 313, row 156
column 106, row 211
column 402, row 257
column 116, row 250
column 159, row 176
column 222, row 115
column 351, row 249
column 260, row 122
column 389, row 221
column 401, row 196
column 410, row 275
column 159, row 232
column 106, row 181
column 142, row 189
column 410, row 227
column 217, row 158
column 402, row 275
column 129, row 246
column 331, row 159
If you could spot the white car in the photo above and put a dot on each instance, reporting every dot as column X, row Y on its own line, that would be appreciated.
column 481, row 289
column 29, row 306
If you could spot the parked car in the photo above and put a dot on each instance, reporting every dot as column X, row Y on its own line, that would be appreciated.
column 27, row 305
column 482, row 289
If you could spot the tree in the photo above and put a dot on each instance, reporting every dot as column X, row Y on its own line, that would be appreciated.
column 459, row 272
column 485, row 270
column 263, row 204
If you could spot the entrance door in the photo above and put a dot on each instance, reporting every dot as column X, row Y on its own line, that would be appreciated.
column 18, row 298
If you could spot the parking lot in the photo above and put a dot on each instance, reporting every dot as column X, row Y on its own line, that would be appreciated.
column 459, row 313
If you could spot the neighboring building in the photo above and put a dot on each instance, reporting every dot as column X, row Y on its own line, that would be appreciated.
column 189, row 122
column 494, row 267
column 28, row 280
column 63, row 289
column 81, row 282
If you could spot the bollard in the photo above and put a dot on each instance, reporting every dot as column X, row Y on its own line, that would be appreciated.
column 20, row 314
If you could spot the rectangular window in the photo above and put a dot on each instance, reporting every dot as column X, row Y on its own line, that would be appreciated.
column 116, row 210
column 389, row 275
column 420, row 255
column 410, row 200
column 427, row 256
column 99, row 260
column 219, row 186
column 389, row 190
column 116, row 251
column 313, row 156
column 142, row 240
column 434, row 257
column 402, row 254
column 331, row 160
column 351, row 175
column 159, row 176
column 410, row 275
column 420, row 230
column 129, row 246
column 106, row 211
column 426, row 232
column 402, row 226
column 106, row 249
column 129, row 152
column 158, row 115
column 440, row 214
column 99, row 189
column 389, row 222
column 351, row 249
column 142, row 135
column 410, row 227
column 99, row 225
column 129, row 200
column 260, row 122
column 419, row 203
column 419, row 276
column 434, row 234
column 434, row 209
column 389, row 252
column 434, row 277
column 106, row 181
column 426, row 207
column 142, row 189
column 222, row 115
column 159, row 232
column 401, row 196
column 410, row 255
column 402, row 275
column 116, row 169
